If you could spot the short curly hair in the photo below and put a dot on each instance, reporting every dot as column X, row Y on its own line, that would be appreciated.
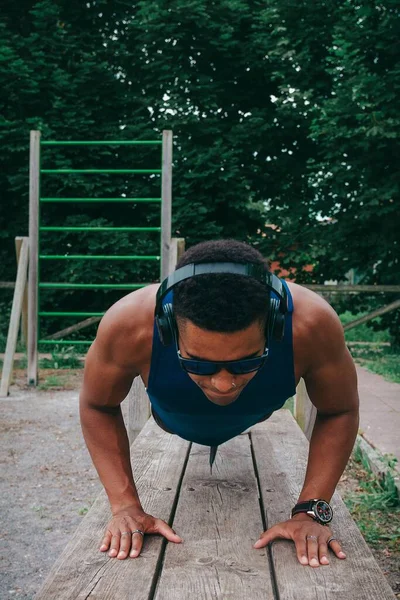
column 222, row 302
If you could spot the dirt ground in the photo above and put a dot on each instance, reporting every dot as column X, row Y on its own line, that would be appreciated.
column 48, row 481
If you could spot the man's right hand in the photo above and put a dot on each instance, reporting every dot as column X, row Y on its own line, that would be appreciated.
column 120, row 540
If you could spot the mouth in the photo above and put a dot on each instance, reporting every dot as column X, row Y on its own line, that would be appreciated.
column 223, row 398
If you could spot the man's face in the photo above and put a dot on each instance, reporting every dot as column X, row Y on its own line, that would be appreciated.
column 200, row 344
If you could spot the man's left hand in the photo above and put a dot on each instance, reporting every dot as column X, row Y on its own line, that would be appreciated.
column 310, row 537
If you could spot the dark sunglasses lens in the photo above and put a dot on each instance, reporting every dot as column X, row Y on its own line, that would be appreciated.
column 196, row 367
column 245, row 366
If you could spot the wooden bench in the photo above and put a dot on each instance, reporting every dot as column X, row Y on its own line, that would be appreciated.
column 255, row 482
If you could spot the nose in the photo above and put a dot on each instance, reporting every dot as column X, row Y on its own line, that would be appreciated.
column 222, row 381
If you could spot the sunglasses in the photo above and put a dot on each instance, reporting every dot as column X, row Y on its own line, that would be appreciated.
column 234, row 367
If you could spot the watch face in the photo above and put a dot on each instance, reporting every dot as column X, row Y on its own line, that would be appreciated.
column 323, row 511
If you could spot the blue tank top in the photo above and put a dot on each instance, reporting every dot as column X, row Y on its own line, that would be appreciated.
column 186, row 411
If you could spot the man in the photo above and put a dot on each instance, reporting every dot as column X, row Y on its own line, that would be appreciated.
column 220, row 346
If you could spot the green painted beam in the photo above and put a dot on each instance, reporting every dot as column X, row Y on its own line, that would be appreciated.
column 102, row 143
column 95, row 257
column 65, row 342
column 46, row 313
column 64, row 171
column 92, row 286
column 99, row 228
column 148, row 200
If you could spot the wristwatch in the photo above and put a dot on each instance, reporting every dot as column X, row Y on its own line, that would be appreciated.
column 318, row 509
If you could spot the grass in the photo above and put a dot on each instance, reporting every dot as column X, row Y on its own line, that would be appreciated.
column 381, row 359
column 375, row 504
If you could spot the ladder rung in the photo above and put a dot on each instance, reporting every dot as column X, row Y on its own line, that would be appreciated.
column 65, row 342
column 95, row 257
column 93, row 286
column 148, row 200
column 96, row 171
column 46, row 313
column 101, row 143
column 100, row 228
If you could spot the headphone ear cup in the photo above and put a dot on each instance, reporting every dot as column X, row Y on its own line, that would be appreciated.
column 166, row 325
column 275, row 326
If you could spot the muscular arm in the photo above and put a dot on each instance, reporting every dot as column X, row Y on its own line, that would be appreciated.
column 107, row 380
column 331, row 382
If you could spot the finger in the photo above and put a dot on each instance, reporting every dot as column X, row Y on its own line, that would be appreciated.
column 312, row 551
column 115, row 541
column 336, row 547
column 137, row 544
column 125, row 544
column 323, row 553
column 105, row 544
column 164, row 529
column 301, row 551
column 271, row 534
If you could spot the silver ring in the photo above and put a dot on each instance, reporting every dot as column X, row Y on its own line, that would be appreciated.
column 126, row 533
column 331, row 540
column 138, row 531
column 311, row 537
column 234, row 384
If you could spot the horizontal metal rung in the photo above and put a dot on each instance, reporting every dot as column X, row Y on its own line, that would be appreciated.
column 98, row 171
column 93, row 286
column 45, row 313
column 100, row 228
column 95, row 257
column 65, row 342
column 102, row 143
column 148, row 200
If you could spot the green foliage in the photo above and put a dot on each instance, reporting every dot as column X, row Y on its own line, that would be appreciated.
column 376, row 497
column 63, row 357
column 283, row 114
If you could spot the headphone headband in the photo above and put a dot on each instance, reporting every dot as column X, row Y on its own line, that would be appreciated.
column 254, row 270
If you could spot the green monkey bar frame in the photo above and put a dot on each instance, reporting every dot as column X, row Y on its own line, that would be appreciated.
column 35, row 202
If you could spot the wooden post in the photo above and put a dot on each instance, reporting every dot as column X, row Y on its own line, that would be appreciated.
column 24, row 320
column 177, row 248
column 166, row 194
column 304, row 411
column 138, row 409
column 15, row 317
column 138, row 400
column 34, row 182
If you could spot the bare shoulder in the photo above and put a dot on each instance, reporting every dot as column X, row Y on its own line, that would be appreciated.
column 125, row 332
column 317, row 331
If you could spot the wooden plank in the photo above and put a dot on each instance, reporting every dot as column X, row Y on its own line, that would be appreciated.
column 372, row 315
column 304, row 410
column 24, row 319
column 15, row 317
column 281, row 455
column 166, row 194
column 82, row 572
column 34, row 184
column 138, row 409
column 7, row 285
column 218, row 516
column 76, row 327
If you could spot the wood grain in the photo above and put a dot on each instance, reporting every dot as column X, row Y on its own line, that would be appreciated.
column 305, row 412
column 34, row 193
column 281, row 455
column 218, row 516
column 166, row 208
column 82, row 572
column 15, row 318
column 138, row 409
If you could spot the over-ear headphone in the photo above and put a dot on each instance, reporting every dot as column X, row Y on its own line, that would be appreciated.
column 164, row 314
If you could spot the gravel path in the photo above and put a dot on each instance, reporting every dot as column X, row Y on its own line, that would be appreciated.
column 47, row 483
